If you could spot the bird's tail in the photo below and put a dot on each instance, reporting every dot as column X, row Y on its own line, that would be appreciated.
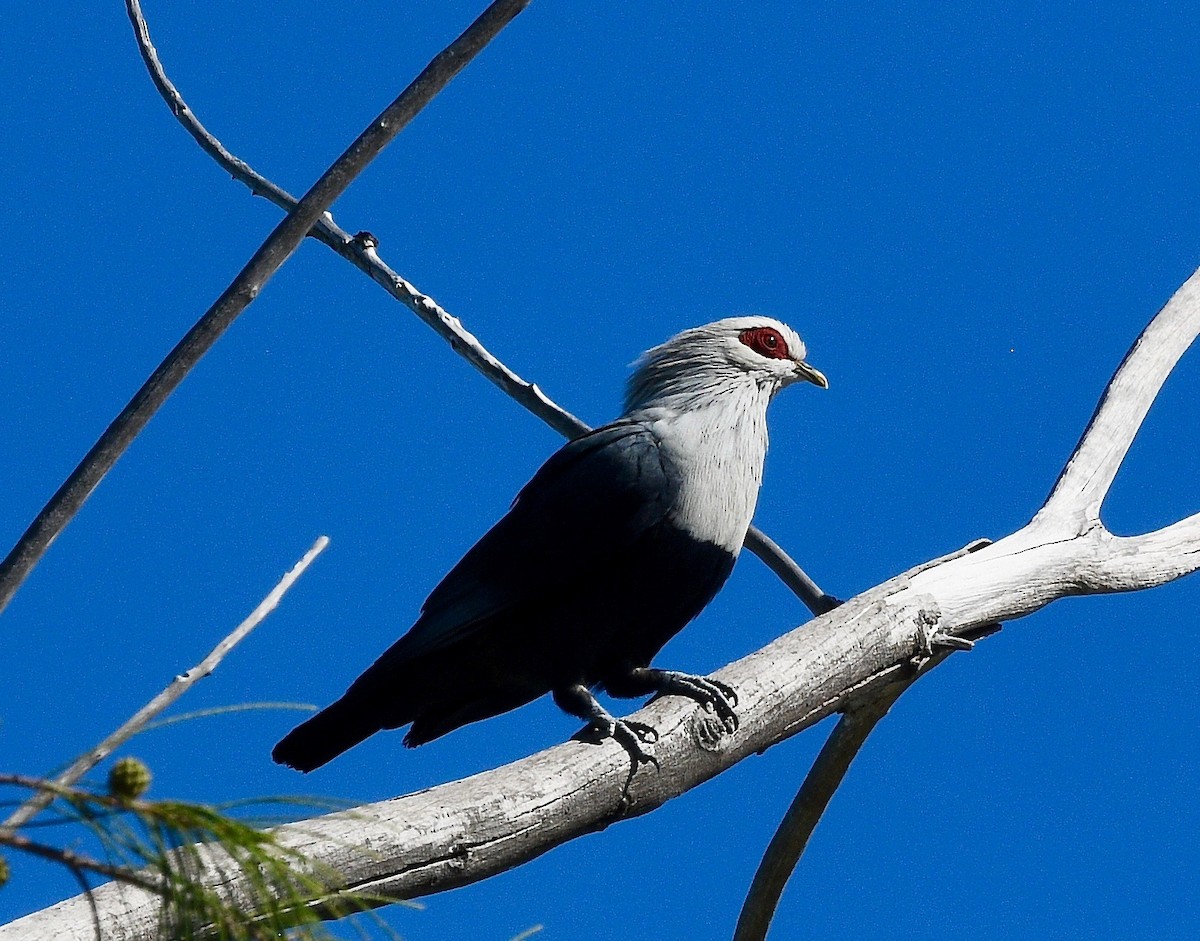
column 326, row 735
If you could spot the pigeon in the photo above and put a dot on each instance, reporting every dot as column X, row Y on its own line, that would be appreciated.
column 618, row 541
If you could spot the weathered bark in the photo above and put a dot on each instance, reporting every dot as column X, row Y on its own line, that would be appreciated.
column 470, row 829
column 474, row 828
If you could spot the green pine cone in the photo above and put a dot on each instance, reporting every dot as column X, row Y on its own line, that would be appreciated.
column 129, row 779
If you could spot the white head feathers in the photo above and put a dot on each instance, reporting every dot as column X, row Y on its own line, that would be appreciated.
column 735, row 353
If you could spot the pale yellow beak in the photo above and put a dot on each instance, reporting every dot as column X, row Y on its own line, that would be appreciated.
column 811, row 374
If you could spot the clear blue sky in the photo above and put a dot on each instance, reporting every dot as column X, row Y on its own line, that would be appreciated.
column 968, row 212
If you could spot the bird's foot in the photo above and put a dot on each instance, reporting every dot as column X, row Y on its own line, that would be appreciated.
column 715, row 696
column 630, row 734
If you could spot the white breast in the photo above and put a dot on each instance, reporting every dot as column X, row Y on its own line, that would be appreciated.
column 718, row 451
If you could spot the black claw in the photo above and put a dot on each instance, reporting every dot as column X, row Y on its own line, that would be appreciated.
column 644, row 732
column 730, row 721
column 716, row 697
column 629, row 735
column 728, row 691
column 722, row 697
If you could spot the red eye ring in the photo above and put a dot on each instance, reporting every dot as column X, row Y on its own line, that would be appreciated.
column 765, row 341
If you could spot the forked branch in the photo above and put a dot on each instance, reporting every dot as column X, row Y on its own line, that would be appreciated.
column 361, row 251
column 805, row 811
column 1065, row 549
column 467, row 830
column 1085, row 481
column 270, row 256
column 1073, row 508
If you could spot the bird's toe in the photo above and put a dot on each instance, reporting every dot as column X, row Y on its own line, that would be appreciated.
column 726, row 690
column 645, row 732
column 724, row 711
column 631, row 735
column 597, row 730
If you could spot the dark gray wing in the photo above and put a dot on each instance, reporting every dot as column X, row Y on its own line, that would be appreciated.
column 584, row 507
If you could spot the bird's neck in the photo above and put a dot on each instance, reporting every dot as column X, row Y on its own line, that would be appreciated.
column 716, row 448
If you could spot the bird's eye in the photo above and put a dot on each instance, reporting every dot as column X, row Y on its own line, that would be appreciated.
column 765, row 341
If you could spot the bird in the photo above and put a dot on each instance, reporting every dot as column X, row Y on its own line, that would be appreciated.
column 617, row 542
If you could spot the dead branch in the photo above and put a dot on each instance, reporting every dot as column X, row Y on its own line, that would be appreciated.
column 805, row 811
column 467, row 830
column 1074, row 507
column 361, row 251
column 271, row 255
column 43, row 797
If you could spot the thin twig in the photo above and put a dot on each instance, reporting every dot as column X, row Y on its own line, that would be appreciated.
column 790, row 839
column 822, row 781
column 789, row 572
column 227, row 710
column 278, row 247
column 34, row 783
column 45, row 795
column 78, row 861
column 360, row 250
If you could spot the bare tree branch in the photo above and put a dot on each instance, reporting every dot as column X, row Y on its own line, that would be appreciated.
column 80, row 862
column 467, row 830
column 808, row 806
column 1133, row 562
column 1085, row 481
column 1066, row 539
column 270, row 256
column 27, row 781
column 360, row 251
column 44, row 796
column 259, row 186
column 820, row 784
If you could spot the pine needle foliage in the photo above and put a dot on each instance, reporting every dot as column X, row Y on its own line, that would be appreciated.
column 268, row 891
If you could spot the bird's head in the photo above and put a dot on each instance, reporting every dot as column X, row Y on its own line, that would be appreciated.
column 737, row 353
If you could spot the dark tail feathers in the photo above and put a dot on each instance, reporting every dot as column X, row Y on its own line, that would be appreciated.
column 327, row 734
